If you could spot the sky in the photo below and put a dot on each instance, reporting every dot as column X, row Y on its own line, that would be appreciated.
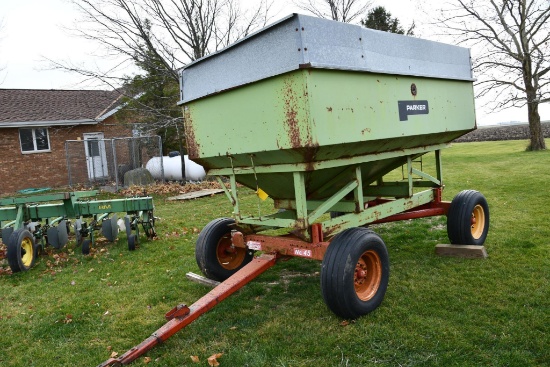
column 32, row 31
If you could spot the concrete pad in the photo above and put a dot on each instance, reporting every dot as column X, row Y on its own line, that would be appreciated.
column 465, row 251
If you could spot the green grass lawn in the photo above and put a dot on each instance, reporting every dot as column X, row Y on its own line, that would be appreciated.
column 75, row 310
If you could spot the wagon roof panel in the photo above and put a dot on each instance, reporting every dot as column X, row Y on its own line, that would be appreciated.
column 300, row 41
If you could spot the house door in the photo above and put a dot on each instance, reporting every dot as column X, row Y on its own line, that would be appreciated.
column 96, row 159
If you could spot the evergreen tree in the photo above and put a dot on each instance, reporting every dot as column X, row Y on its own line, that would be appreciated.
column 380, row 19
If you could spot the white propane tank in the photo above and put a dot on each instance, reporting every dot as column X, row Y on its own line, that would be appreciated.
column 172, row 168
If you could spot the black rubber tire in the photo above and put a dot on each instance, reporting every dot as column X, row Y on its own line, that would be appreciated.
column 462, row 229
column 342, row 292
column 86, row 246
column 77, row 236
column 214, row 242
column 132, row 242
column 21, row 250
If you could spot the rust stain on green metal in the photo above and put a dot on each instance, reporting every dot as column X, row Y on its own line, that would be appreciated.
column 193, row 148
column 291, row 108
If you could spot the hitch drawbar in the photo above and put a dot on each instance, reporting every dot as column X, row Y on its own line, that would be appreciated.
column 181, row 316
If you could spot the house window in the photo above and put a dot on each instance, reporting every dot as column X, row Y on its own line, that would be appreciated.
column 34, row 140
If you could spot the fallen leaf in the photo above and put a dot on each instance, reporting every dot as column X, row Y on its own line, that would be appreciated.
column 92, row 269
column 195, row 359
column 213, row 359
column 344, row 323
column 114, row 354
column 146, row 360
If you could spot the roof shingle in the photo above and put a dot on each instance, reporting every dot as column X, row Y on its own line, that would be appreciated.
column 18, row 105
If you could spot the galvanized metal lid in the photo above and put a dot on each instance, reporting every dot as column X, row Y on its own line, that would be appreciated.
column 300, row 41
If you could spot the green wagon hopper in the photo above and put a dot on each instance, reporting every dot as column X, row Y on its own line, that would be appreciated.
column 307, row 106
column 316, row 114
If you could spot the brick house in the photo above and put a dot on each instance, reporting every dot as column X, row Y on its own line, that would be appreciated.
column 35, row 124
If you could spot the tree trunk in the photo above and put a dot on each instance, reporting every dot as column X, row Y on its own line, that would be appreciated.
column 535, row 128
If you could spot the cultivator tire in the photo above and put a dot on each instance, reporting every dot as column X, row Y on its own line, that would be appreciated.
column 109, row 228
column 86, row 246
column 6, row 233
column 132, row 242
column 216, row 256
column 21, row 250
column 355, row 273
column 468, row 219
column 128, row 226
column 58, row 236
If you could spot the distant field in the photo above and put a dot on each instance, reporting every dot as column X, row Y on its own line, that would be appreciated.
column 519, row 131
column 75, row 310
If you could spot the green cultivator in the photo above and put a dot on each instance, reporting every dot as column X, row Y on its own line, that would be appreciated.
column 31, row 223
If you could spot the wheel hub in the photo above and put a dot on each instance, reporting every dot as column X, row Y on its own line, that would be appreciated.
column 229, row 256
column 368, row 275
column 360, row 274
column 477, row 221
column 27, row 252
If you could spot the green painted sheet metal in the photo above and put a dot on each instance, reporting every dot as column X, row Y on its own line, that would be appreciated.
column 314, row 114
column 29, row 210
column 308, row 119
column 47, row 197
column 114, row 206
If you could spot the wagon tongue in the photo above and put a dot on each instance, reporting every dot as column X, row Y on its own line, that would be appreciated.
column 181, row 315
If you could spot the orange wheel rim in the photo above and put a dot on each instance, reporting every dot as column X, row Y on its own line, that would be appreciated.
column 368, row 275
column 478, row 221
column 229, row 256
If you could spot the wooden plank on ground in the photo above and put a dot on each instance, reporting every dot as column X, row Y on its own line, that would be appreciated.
column 196, row 194
column 466, row 251
column 201, row 280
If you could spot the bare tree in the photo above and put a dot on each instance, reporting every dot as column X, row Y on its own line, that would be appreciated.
column 340, row 10
column 512, row 41
column 163, row 34
column 159, row 37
